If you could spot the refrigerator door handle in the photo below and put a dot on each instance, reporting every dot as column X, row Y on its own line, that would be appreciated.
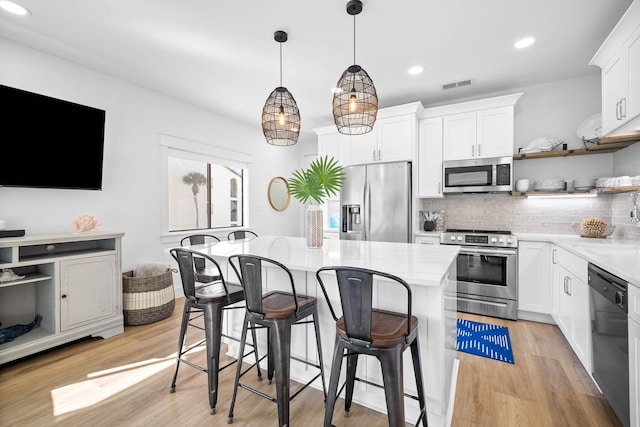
column 366, row 229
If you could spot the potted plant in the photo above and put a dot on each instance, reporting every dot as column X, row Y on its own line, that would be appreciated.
column 323, row 178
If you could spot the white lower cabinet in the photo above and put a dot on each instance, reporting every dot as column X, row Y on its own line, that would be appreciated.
column 534, row 281
column 633, row 295
column 72, row 281
column 572, row 309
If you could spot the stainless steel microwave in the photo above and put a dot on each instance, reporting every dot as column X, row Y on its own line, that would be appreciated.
column 491, row 175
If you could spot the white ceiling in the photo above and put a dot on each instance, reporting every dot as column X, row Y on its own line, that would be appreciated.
column 222, row 55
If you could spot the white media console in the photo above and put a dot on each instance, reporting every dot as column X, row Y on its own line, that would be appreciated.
column 74, row 281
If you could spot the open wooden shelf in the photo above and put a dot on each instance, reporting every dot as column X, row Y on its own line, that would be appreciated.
column 550, row 193
column 604, row 145
column 608, row 190
column 612, row 190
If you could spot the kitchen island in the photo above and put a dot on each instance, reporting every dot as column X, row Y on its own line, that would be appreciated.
column 431, row 272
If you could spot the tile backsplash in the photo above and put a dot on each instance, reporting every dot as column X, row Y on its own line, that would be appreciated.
column 529, row 215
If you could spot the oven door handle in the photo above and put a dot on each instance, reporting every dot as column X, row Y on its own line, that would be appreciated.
column 487, row 251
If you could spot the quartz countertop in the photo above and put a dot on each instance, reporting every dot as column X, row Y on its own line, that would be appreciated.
column 618, row 256
column 417, row 264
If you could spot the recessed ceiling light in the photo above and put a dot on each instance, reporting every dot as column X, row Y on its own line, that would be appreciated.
column 415, row 70
column 525, row 42
column 14, row 8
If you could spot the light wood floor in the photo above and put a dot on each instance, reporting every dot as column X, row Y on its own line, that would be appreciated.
column 124, row 381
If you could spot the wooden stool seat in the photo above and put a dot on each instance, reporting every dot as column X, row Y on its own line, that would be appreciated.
column 278, row 304
column 388, row 329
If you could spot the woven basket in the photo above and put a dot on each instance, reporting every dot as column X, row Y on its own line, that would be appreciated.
column 147, row 299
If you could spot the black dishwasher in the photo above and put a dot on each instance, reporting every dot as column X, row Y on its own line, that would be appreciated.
column 609, row 337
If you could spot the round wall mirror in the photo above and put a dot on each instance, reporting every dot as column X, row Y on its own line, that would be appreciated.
column 278, row 193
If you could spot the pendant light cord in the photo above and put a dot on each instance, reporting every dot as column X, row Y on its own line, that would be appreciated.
column 280, row 64
column 354, row 39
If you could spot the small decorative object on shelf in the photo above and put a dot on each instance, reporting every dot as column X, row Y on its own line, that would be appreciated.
column 7, row 275
column 8, row 334
column 593, row 227
column 85, row 223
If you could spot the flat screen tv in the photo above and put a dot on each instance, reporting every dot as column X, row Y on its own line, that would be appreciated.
column 49, row 142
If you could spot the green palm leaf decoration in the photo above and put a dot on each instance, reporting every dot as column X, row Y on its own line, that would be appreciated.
column 323, row 178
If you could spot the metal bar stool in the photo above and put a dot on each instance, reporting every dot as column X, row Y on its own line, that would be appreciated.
column 208, row 301
column 363, row 329
column 277, row 311
column 203, row 273
column 241, row 235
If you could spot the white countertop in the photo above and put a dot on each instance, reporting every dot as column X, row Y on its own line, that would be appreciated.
column 618, row 256
column 416, row 264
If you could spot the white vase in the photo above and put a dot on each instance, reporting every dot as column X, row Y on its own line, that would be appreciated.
column 313, row 226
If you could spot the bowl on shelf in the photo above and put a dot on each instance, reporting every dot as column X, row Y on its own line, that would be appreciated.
column 577, row 227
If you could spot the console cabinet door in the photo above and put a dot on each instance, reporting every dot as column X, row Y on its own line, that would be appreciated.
column 87, row 290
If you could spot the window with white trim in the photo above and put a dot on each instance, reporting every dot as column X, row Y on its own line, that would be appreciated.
column 203, row 192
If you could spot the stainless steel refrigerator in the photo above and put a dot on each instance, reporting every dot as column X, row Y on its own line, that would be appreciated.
column 375, row 202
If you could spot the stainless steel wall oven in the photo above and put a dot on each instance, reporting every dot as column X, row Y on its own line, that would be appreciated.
column 487, row 274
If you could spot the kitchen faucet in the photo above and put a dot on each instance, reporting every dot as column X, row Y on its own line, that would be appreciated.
column 635, row 213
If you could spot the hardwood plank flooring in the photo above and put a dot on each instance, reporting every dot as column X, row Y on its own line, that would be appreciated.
column 124, row 381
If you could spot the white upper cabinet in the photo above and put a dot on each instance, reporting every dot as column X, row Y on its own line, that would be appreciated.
column 477, row 129
column 430, row 158
column 479, row 134
column 393, row 138
column 494, row 132
column 619, row 60
column 459, row 133
column 329, row 143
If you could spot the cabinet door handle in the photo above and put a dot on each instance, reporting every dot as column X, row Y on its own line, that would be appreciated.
column 553, row 256
column 479, row 150
column 374, row 155
column 473, row 151
column 569, row 286
column 564, row 284
column 440, row 188
column 623, row 108
column 618, row 110
column 63, row 296
column 379, row 157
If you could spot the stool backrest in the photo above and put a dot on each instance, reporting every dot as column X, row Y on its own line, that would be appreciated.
column 199, row 239
column 185, row 259
column 356, row 298
column 248, row 268
column 241, row 235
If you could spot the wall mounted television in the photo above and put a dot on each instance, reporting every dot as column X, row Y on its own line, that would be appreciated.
column 50, row 142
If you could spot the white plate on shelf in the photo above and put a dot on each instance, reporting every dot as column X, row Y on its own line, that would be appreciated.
column 591, row 127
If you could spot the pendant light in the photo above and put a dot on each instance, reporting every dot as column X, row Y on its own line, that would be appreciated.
column 355, row 102
column 280, row 115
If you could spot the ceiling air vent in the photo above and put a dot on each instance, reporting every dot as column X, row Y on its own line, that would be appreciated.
column 461, row 83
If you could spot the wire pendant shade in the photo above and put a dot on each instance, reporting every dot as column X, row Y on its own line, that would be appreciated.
column 280, row 114
column 281, row 118
column 355, row 102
